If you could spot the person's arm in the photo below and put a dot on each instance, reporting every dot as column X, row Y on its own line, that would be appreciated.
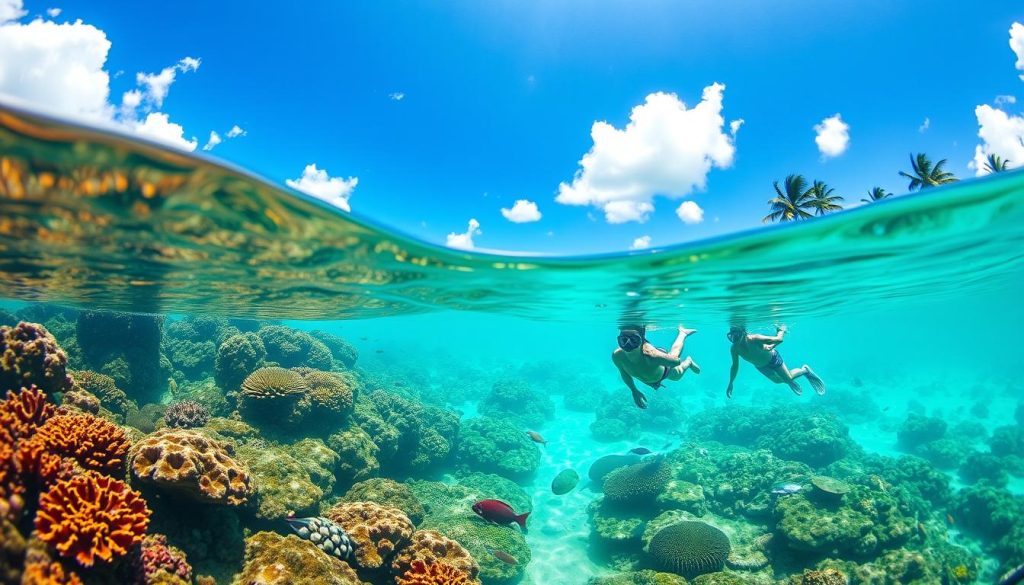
column 772, row 340
column 732, row 372
column 638, row 396
column 659, row 357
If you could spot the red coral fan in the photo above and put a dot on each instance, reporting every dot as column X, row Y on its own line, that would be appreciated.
column 30, row 355
column 156, row 555
column 44, row 573
column 23, row 412
column 10, row 481
column 91, row 517
column 91, row 441
column 421, row 573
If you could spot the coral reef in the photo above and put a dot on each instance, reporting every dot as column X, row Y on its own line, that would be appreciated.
column 290, row 348
column 495, row 446
column 638, row 484
column 491, row 486
column 430, row 547
column 344, row 352
column 91, row 442
column 272, row 559
column 126, row 347
column 918, row 429
column 645, row 577
column 984, row 466
column 187, row 462
column 386, row 492
column 154, row 556
column 690, row 548
column 238, row 356
column 421, row 573
column 81, row 401
column 328, row 399
column 91, row 517
column 103, row 387
column 513, row 399
column 318, row 460
column 284, row 485
column 357, row 455
column 30, row 356
column 187, row 414
column 270, row 399
column 377, row 531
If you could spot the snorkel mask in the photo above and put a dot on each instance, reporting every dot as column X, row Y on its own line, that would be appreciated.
column 736, row 333
column 630, row 339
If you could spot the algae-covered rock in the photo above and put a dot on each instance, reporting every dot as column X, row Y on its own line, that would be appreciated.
column 615, row 530
column 290, row 348
column 238, row 356
column 495, row 446
column 357, row 455
column 387, row 492
column 645, row 577
column 272, row 559
column 683, row 495
column 318, row 460
column 284, row 485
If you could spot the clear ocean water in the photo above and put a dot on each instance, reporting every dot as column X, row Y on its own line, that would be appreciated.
column 909, row 309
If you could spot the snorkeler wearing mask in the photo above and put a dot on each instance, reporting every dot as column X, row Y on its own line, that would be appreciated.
column 760, row 351
column 637, row 358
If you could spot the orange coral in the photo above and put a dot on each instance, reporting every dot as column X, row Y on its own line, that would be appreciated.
column 421, row 573
column 91, row 516
column 433, row 547
column 92, row 442
column 43, row 573
column 22, row 413
column 377, row 531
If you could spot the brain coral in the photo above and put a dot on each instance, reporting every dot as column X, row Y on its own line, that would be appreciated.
column 188, row 462
column 30, row 355
column 432, row 547
column 272, row 559
column 237, row 357
column 91, row 517
column 421, row 573
column 378, row 531
column 330, row 395
column 690, row 548
column 90, row 441
column 637, row 484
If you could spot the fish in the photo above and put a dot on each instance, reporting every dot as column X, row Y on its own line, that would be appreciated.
column 950, row 519
column 641, row 451
column 922, row 531
column 886, row 408
column 499, row 512
column 564, row 482
column 326, row 534
column 536, row 438
column 786, row 488
column 502, row 556
column 380, row 351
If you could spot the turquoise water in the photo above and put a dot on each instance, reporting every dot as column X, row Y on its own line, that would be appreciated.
column 907, row 308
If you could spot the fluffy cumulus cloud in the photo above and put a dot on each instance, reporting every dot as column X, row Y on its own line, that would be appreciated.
column 58, row 68
column 833, row 136
column 689, row 212
column 1017, row 44
column 53, row 12
column 214, row 140
column 464, row 241
column 236, row 131
column 523, row 211
column 641, row 243
column 665, row 149
column 317, row 183
column 1001, row 134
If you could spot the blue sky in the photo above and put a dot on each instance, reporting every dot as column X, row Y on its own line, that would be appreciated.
column 499, row 99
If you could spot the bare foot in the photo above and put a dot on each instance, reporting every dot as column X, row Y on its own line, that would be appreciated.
column 692, row 365
column 685, row 331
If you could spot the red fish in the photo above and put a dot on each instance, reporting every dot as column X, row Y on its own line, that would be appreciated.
column 499, row 512
column 536, row 438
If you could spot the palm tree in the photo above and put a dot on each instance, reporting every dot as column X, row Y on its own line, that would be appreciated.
column 876, row 194
column 791, row 202
column 822, row 199
column 995, row 164
column 926, row 175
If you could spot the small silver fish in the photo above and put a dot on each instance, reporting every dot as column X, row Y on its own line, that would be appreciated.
column 786, row 488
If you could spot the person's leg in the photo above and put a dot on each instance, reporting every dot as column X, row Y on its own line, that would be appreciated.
column 677, row 346
column 677, row 372
column 787, row 377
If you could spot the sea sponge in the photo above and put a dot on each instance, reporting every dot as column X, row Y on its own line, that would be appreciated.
column 103, row 387
column 187, row 414
column 637, row 484
column 29, row 355
column 90, row 441
column 291, row 348
column 377, row 531
column 272, row 559
column 387, row 492
column 421, row 573
column 191, row 463
column 90, row 517
column 25, row 411
column 432, row 547
column 238, row 356
column 690, row 548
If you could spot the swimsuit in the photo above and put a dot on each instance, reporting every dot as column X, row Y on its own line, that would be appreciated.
column 664, row 375
column 772, row 366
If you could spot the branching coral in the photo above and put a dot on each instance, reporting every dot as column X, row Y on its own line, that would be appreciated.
column 188, row 462
column 29, row 355
column 24, row 412
column 48, row 573
column 92, row 442
column 421, row 573
column 378, row 531
column 91, row 517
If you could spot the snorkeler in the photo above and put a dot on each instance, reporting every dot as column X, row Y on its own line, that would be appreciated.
column 760, row 351
column 637, row 358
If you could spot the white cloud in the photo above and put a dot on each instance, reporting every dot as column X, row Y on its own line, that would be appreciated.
column 10, row 10
column 157, row 126
column 689, row 212
column 213, row 141
column 397, row 96
column 641, row 243
column 53, row 12
column 925, row 125
column 734, row 126
column 1017, row 45
column 1005, row 99
column 1000, row 134
column 665, row 149
column 523, row 211
column 833, row 136
column 189, row 64
column 319, row 184
column 156, row 85
column 236, row 131
column 464, row 241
